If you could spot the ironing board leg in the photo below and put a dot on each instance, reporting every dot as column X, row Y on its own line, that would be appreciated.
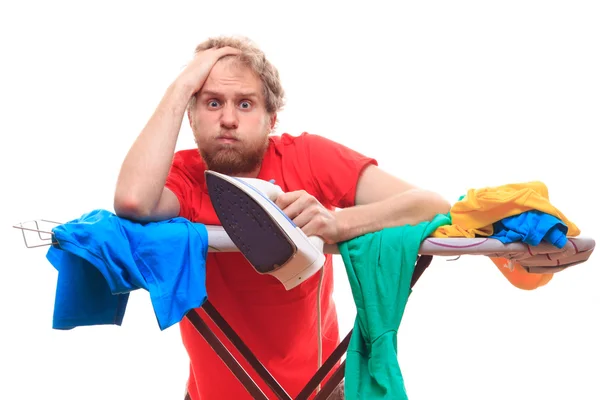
column 422, row 263
column 327, row 366
column 233, row 337
column 420, row 267
column 225, row 355
column 332, row 383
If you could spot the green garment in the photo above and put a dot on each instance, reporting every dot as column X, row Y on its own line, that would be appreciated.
column 380, row 266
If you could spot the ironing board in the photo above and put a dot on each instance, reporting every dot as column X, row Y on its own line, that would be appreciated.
column 543, row 258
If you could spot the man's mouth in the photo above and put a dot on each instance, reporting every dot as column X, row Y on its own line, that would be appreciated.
column 226, row 139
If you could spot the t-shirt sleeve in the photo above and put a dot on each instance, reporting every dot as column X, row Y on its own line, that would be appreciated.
column 180, row 182
column 335, row 169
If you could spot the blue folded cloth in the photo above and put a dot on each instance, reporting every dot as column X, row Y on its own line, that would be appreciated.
column 101, row 258
column 531, row 227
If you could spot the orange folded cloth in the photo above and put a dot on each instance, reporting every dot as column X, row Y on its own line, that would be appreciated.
column 518, row 276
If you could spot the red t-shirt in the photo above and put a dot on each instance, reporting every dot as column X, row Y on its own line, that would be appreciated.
column 279, row 326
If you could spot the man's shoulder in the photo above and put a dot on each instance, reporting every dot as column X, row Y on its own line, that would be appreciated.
column 191, row 155
column 189, row 159
column 303, row 139
column 188, row 163
column 287, row 137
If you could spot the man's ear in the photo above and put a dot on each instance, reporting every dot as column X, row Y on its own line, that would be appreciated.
column 189, row 114
column 273, row 120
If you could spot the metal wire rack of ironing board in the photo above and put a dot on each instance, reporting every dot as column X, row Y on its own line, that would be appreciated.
column 536, row 259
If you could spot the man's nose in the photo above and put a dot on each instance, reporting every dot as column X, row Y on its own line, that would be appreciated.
column 229, row 118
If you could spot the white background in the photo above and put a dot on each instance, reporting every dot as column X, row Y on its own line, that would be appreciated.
column 449, row 95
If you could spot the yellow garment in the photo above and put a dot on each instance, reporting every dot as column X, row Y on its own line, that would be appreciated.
column 476, row 213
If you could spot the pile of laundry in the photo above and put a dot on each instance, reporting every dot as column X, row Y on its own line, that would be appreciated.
column 509, row 213
column 519, row 212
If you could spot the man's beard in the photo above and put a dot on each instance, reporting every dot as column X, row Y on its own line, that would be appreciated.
column 235, row 159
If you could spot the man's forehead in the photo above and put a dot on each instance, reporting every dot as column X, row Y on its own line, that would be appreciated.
column 208, row 91
column 232, row 67
column 235, row 80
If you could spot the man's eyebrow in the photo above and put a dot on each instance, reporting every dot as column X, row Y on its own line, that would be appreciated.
column 247, row 94
column 210, row 93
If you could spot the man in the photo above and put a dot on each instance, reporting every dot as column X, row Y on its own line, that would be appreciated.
column 232, row 95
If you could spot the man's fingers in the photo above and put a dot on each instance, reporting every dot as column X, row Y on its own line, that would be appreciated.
column 296, row 203
column 227, row 51
column 285, row 199
column 316, row 228
column 294, row 209
column 305, row 216
column 305, row 210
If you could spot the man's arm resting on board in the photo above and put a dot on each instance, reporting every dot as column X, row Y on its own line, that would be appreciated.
column 382, row 200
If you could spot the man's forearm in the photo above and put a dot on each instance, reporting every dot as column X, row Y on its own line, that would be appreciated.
column 410, row 207
column 146, row 166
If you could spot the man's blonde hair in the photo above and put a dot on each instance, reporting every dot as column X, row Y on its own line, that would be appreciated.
column 254, row 58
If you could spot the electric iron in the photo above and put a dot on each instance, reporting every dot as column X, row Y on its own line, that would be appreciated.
column 262, row 232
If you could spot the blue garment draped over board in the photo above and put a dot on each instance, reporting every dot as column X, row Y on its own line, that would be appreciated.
column 101, row 258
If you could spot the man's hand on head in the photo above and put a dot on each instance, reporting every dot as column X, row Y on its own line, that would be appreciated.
column 310, row 215
column 195, row 73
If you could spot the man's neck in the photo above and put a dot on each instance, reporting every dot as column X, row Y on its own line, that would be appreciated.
column 246, row 175
column 252, row 174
